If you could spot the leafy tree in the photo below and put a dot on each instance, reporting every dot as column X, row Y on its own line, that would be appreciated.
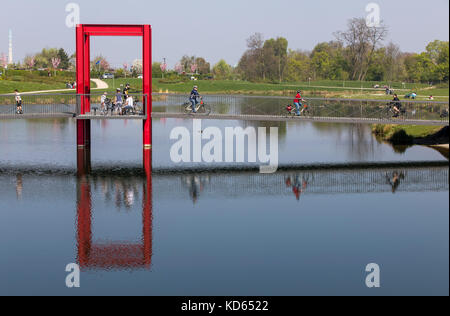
column 222, row 70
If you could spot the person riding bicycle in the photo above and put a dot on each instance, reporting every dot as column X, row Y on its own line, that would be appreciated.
column 396, row 105
column 193, row 98
column 298, row 102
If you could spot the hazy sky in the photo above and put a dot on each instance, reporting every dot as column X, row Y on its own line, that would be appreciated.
column 213, row 29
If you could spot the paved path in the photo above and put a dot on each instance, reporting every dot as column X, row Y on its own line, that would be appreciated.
column 100, row 84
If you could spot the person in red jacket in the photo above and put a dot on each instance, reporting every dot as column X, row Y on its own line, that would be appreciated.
column 298, row 102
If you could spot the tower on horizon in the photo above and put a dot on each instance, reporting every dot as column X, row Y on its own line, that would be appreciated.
column 10, row 52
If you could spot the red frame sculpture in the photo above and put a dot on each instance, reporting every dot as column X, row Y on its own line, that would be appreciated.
column 83, row 35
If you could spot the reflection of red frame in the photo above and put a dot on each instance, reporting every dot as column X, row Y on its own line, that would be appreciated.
column 83, row 34
column 113, row 255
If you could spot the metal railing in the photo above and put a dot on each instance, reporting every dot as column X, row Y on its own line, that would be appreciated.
column 38, row 105
column 106, row 106
column 323, row 108
column 227, row 107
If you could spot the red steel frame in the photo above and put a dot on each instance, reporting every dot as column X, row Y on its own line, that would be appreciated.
column 83, row 34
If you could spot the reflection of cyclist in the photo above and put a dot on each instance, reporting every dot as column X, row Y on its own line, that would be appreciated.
column 193, row 98
column 297, row 187
column 394, row 181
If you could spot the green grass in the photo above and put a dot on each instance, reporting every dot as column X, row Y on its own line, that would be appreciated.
column 316, row 89
column 34, row 81
column 26, row 81
column 403, row 134
column 8, row 86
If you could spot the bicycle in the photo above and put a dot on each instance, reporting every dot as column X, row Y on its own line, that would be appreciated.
column 304, row 110
column 201, row 108
column 390, row 112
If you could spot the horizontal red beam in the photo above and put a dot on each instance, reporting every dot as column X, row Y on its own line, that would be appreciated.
column 112, row 30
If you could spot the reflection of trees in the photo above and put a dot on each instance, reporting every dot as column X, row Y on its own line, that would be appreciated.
column 362, row 142
column 359, row 136
column 282, row 127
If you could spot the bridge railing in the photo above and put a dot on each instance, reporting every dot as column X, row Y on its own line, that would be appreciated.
column 105, row 106
column 237, row 105
column 38, row 105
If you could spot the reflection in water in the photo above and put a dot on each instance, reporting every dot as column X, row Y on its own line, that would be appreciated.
column 195, row 185
column 298, row 186
column 394, row 179
column 131, row 188
column 114, row 254
column 19, row 186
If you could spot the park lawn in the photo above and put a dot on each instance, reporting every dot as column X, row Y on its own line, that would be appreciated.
column 284, row 89
column 404, row 134
column 8, row 86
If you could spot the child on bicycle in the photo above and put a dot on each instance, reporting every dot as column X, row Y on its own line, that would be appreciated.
column 193, row 98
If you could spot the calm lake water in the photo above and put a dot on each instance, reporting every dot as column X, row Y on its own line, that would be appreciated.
column 347, row 201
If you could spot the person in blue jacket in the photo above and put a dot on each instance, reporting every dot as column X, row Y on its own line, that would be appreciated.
column 193, row 98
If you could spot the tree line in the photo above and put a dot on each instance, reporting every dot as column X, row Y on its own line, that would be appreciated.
column 357, row 53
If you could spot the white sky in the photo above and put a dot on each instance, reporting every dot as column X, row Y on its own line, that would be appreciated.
column 213, row 29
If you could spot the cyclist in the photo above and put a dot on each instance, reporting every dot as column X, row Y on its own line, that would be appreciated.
column 396, row 105
column 193, row 98
column 298, row 102
column 18, row 99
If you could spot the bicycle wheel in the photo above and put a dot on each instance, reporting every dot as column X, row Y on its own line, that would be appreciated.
column 186, row 107
column 205, row 109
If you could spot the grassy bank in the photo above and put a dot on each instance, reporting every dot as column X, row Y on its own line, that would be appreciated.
column 330, row 89
column 35, row 81
column 411, row 134
column 25, row 80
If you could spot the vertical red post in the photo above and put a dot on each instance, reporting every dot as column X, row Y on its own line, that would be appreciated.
column 147, row 84
column 83, row 85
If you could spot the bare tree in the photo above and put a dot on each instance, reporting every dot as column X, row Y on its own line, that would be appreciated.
column 361, row 41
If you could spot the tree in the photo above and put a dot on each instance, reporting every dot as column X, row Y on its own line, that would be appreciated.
column 192, row 64
column 275, row 57
column 361, row 41
column 62, row 55
column 251, row 65
column 222, row 70
column 298, row 66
